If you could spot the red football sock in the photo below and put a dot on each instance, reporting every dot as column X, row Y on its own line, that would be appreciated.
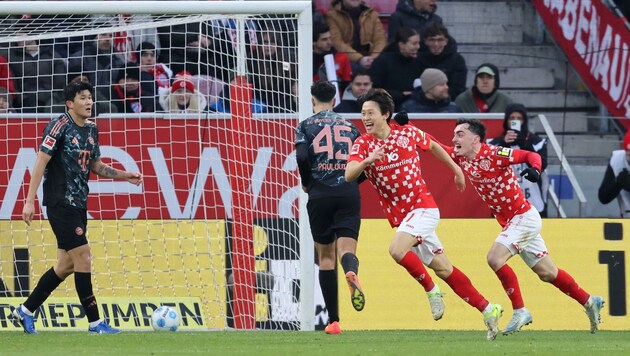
column 414, row 266
column 569, row 286
column 462, row 286
column 510, row 285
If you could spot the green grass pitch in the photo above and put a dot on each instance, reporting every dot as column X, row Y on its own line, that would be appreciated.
column 389, row 342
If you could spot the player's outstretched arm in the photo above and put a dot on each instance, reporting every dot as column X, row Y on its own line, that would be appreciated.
column 28, row 212
column 439, row 153
column 103, row 170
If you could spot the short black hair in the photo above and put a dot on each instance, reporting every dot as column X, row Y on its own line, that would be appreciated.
column 435, row 29
column 323, row 91
column 382, row 98
column 359, row 72
column 475, row 126
column 318, row 29
column 71, row 90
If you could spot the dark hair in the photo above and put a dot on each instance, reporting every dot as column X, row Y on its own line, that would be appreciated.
column 318, row 29
column 360, row 71
column 382, row 98
column 71, row 90
column 402, row 35
column 475, row 126
column 323, row 91
column 435, row 29
column 130, row 71
column 145, row 46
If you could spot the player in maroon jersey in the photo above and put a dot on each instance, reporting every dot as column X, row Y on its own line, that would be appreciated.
column 489, row 170
column 388, row 154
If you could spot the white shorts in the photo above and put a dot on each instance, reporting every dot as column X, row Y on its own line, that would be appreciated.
column 522, row 236
column 421, row 223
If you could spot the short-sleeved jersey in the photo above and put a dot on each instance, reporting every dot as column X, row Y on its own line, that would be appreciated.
column 72, row 147
column 397, row 178
column 329, row 138
column 491, row 173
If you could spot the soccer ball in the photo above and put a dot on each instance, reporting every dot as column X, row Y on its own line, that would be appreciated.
column 165, row 319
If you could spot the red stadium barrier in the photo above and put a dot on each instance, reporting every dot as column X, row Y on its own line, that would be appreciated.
column 169, row 153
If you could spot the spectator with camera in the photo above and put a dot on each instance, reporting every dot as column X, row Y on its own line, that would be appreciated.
column 616, row 182
column 516, row 135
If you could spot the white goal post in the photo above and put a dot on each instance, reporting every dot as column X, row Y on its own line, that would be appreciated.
column 218, row 228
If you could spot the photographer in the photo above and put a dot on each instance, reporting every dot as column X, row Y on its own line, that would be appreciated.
column 616, row 181
column 516, row 135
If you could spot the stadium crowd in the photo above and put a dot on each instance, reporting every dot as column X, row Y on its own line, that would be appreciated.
column 135, row 70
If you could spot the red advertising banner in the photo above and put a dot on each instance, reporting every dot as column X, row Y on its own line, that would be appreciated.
column 187, row 175
column 597, row 43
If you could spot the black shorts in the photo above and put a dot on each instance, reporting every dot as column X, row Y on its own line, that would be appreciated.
column 69, row 224
column 331, row 218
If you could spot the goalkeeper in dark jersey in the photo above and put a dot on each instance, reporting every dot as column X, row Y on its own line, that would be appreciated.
column 323, row 143
column 69, row 150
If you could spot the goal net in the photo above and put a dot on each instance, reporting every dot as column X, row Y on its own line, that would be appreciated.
column 202, row 98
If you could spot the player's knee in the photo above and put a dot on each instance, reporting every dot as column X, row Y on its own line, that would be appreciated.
column 546, row 276
column 396, row 253
column 494, row 262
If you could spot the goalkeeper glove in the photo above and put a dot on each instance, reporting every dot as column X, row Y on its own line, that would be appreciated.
column 531, row 174
column 401, row 118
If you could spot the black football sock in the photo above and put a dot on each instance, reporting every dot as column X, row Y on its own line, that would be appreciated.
column 48, row 282
column 330, row 291
column 350, row 262
column 83, row 283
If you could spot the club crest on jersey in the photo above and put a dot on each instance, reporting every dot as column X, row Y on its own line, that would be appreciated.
column 49, row 142
column 90, row 140
column 504, row 152
column 402, row 141
column 355, row 149
column 484, row 164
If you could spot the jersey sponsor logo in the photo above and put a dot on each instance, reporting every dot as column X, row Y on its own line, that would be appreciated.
column 49, row 142
column 392, row 156
column 504, row 152
column 402, row 141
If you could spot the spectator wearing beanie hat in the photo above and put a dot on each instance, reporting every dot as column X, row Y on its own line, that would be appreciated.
column 485, row 95
column 134, row 90
column 160, row 71
column 516, row 134
column 431, row 96
column 183, row 97
column 616, row 183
